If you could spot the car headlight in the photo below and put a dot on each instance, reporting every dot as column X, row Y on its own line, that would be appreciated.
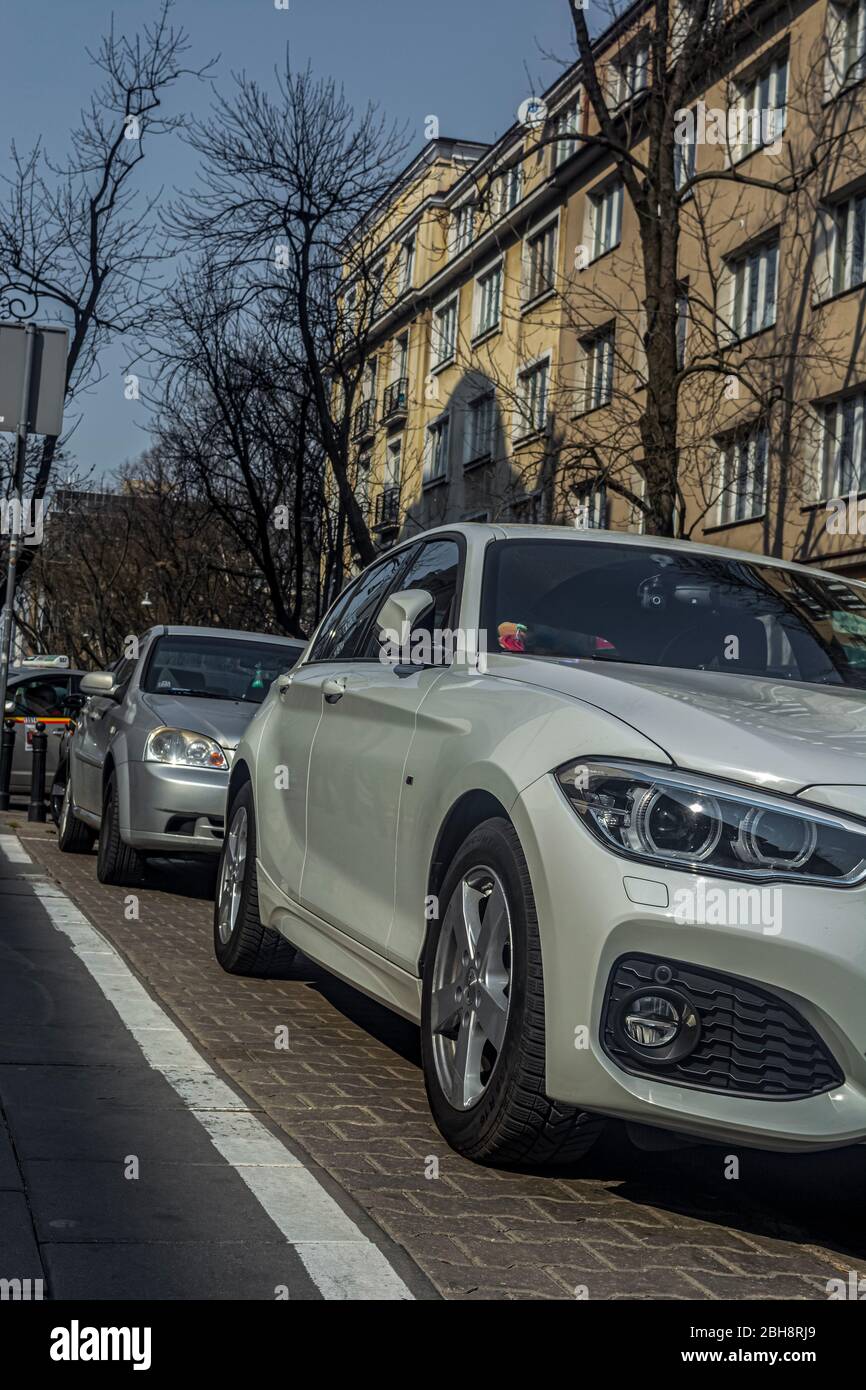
column 184, row 748
column 687, row 821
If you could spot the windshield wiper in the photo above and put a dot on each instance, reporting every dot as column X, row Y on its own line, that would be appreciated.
column 199, row 694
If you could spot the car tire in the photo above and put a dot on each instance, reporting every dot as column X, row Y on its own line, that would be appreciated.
column 482, row 1022
column 73, row 836
column 116, row 862
column 242, row 944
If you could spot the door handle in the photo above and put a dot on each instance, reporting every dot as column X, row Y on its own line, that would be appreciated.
column 334, row 688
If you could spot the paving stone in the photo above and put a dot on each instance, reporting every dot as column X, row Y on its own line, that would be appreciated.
column 625, row 1225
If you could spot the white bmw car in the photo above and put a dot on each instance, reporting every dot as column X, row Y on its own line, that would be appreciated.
column 591, row 809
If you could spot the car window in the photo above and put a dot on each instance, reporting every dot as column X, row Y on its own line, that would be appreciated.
column 185, row 665
column 656, row 607
column 436, row 568
column 345, row 629
column 41, row 697
column 123, row 668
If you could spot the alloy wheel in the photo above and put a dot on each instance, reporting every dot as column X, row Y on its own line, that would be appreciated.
column 471, row 987
column 232, row 874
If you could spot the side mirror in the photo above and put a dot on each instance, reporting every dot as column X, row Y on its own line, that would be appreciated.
column 399, row 613
column 74, row 702
column 99, row 683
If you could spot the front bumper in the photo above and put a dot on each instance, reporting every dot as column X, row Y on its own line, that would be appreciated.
column 811, row 954
column 174, row 810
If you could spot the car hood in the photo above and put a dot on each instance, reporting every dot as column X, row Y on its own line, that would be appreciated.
column 223, row 720
column 763, row 732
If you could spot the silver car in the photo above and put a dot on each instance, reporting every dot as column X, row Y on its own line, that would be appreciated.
column 147, row 762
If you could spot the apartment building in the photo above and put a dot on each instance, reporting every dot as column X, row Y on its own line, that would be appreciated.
column 507, row 377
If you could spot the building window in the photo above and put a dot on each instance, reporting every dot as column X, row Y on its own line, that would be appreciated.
column 393, row 461
column 849, row 259
column 846, row 40
column 597, row 387
column 636, row 514
column 761, row 107
column 566, row 126
column 628, row 74
column 463, row 227
column 480, row 428
column 508, row 190
column 682, row 327
column 753, row 280
column 844, row 461
column 377, row 287
column 488, row 300
column 362, row 482
column 605, row 219
column 540, row 262
column 436, row 454
column 407, row 264
column 685, row 152
column 533, row 389
column 743, row 476
column 590, row 507
column 445, row 332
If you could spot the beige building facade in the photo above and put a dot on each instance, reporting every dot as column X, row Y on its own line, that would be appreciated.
column 507, row 374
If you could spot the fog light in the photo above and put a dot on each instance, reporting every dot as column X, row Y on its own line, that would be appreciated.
column 658, row 1024
column 652, row 1021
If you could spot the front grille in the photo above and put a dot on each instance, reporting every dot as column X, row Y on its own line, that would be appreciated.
column 752, row 1043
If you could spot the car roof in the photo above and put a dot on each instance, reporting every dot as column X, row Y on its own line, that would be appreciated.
column 485, row 531
column 236, row 634
column 18, row 673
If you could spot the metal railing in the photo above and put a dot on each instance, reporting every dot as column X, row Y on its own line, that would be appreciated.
column 396, row 399
column 387, row 509
column 365, row 419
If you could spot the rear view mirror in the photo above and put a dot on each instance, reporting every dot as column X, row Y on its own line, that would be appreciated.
column 399, row 613
column 99, row 683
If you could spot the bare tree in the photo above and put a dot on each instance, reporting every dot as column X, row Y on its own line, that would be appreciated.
column 78, row 243
column 293, row 183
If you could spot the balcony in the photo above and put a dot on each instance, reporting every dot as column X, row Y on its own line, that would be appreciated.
column 365, row 420
column 386, row 513
column 395, row 402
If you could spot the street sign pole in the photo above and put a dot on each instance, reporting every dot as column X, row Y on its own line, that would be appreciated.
column 8, row 620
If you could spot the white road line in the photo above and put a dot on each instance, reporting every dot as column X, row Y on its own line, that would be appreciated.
column 342, row 1262
column 13, row 850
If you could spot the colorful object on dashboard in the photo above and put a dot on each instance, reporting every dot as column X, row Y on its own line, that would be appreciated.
column 512, row 637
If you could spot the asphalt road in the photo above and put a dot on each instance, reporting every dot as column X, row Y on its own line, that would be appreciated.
column 337, row 1078
column 128, row 1168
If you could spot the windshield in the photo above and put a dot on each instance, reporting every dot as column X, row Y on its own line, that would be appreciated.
column 216, row 668
column 608, row 602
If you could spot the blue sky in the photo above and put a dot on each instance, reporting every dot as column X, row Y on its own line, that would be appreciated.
column 469, row 62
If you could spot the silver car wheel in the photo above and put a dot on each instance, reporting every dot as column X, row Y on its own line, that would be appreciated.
column 232, row 874
column 471, row 987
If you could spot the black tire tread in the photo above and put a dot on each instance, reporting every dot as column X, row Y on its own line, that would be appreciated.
column 530, row 1128
column 78, row 839
column 255, row 950
column 117, row 863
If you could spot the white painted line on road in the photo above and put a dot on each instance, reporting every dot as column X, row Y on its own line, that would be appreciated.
column 13, row 850
column 342, row 1262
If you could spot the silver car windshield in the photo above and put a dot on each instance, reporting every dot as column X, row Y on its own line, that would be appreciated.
column 215, row 668
column 608, row 602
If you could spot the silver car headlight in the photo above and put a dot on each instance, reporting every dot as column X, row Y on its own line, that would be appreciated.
column 687, row 821
column 184, row 748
